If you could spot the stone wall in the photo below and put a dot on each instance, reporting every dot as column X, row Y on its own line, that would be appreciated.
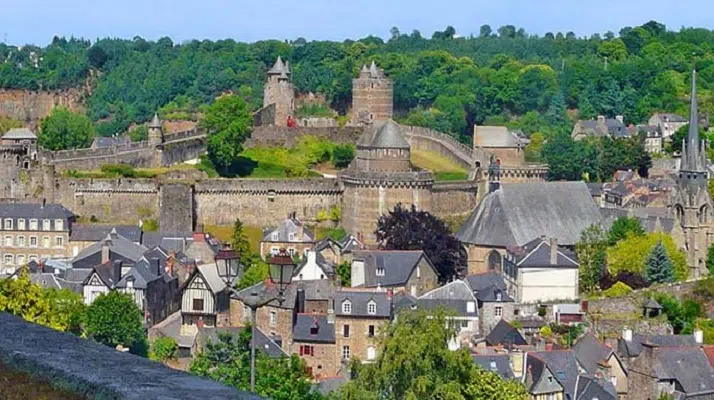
column 632, row 303
column 176, row 208
column 454, row 198
column 265, row 116
column 181, row 150
column 273, row 136
column 426, row 139
column 138, row 155
column 31, row 106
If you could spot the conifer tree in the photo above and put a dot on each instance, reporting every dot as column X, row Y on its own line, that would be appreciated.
column 659, row 267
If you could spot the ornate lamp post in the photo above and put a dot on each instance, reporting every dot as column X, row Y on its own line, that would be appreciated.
column 282, row 268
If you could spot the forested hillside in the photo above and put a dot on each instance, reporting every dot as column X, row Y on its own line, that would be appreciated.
column 446, row 82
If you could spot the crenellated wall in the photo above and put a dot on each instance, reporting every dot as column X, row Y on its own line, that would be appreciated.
column 270, row 136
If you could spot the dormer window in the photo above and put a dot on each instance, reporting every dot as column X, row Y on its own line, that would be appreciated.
column 21, row 224
column 274, row 236
column 372, row 307
column 59, row 224
column 499, row 295
column 33, row 224
column 346, row 307
column 380, row 271
column 45, row 224
column 291, row 236
column 8, row 224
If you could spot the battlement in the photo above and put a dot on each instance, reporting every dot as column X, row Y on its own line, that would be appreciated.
column 525, row 173
column 189, row 134
column 389, row 179
column 268, row 186
column 117, row 185
column 76, row 154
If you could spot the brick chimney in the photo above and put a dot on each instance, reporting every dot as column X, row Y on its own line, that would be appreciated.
column 300, row 230
column 553, row 251
column 106, row 244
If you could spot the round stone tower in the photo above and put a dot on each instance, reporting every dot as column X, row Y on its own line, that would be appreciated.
column 380, row 177
column 280, row 92
column 156, row 131
column 372, row 96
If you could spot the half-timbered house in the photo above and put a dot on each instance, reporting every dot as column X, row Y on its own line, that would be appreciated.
column 205, row 302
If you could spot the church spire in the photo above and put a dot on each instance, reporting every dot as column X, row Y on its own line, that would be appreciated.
column 691, row 154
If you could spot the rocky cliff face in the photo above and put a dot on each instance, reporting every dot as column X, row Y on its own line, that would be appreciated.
column 31, row 106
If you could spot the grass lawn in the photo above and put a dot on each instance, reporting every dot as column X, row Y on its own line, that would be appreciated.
column 335, row 233
column 223, row 233
column 443, row 168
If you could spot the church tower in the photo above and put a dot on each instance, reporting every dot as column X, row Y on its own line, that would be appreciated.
column 280, row 92
column 691, row 203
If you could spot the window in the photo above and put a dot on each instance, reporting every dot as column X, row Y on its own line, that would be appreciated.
column 380, row 271
column 498, row 312
column 45, row 224
column 33, row 241
column 418, row 272
column 274, row 251
column 371, row 307
column 59, row 241
column 8, row 241
column 292, row 252
column 307, row 350
column 274, row 236
column 197, row 304
column 370, row 331
column 346, row 352
column 21, row 224
column 291, row 236
column 20, row 259
column 551, row 396
column 273, row 318
column 464, row 324
column 33, row 224
column 59, row 224
column 371, row 353
column 8, row 224
column 470, row 307
column 45, row 241
column 499, row 296
column 9, row 259
column 20, row 241
column 345, row 330
column 34, row 257
column 346, row 307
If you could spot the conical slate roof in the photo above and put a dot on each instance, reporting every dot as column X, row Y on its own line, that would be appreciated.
column 373, row 70
column 278, row 67
column 388, row 135
column 155, row 122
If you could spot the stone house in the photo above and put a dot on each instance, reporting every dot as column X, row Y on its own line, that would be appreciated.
column 505, row 334
column 494, row 302
column 667, row 123
column 112, row 247
column 409, row 271
column 360, row 316
column 557, row 374
column 84, row 235
column 630, row 345
column 601, row 127
column 314, row 267
column 33, row 231
column 597, row 358
column 458, row 298
column 291, row 235
column 18, row 137
column 497, row 363
column 508, row 148
column 338, row 252
column 314, row 341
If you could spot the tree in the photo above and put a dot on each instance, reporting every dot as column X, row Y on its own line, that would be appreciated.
column 342, row 155
column 710, row 259
column 256, row 271
column 238, row 240
column 412, row 229
column 97, row 57
column 228, row 361
column 163, row 349
column 414, row 362
column 485, row 31
column 507, row 31
column 228, row 121
column 344, row 273
column 394, row 32
column 114, row 319
column 631, row 254
column 67, row 310
column 65, row 129
column 658, row 267
column 681, row 135
column 591, row 251
column 624, row 227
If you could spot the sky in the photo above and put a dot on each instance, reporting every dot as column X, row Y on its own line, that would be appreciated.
column 37, row 21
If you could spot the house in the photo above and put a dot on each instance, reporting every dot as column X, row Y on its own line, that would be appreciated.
column 359, row 317
column 506, row 335
column 458, row 298
column 84, row 235
column 494, row 301
column 112, row 247
column 597, row 358
column 338, row 252
column 410, row 271
column 546, row 368
column 204, row 300
column 667, row 123
column 514, row 214
column 314, row 266
column 32, row 231
column 198, row 246
column 631, row 345
column 101, row 280
column 291, row 234
column 497, row 363
column 654, row 140
column 540, row 381
column 507, row 147
column 601, row 127
column 263, row 344
column 153, row 288
column 18, row 137
column 314, row 340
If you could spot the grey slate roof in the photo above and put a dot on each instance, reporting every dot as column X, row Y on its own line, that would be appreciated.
column 118, row 245
column 350, row 243
column 498, row 363
column 19, row 134
column 520, row 212
column 670, row 117
column 141, row 276
column 210, row 275
column 652, row 219
column 589, row 389
column 590, row 352
column 397, row 265
column 97, row 232
column 359, row 301
column 486, row 286
column 564, row 367
column 155, row 122
column 107, row 272
column 171, row 327
column 172, row 241
column 36, row 211
column 536, row 253
column 634, row 347
column 46, row 280
column 286, row 227
column 323, row 289
column 454, row 296
column 651, row 303
column 384, row 135
column 505, row 334
column 303, row 329
column 263, row 342
column 689, row 366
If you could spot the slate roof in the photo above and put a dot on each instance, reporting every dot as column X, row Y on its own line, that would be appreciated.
column 590, row 352
column 322, row 289
column 327, row 267
column 351, row 243
column 536, row 254
column 455, row 296
column 650, row 223
column 589, row 389
column 286, row 227
column 263, row 342
column 359, row 301
column 505, row 334
column 612, row 127
column 305, row 322
column 172, row 241
column 498, row 363
column 278, row 67
column 519, row 212
column 141, row 275
column 108, row 273
column 486, row 286
column 670, row 117
column 118, row 245
column 563, row 365
column 171, row 327
column 210, row 275
column 634, row 347
column 687, row 365
column 397, row 265
column 155, row 122
column 36, row 210
column 651, row 303
column 97, row 232
column 595, row 188
column 494, row 136
column 327, row 385
column 389, row 136
column 45, row 279
column 19, row 134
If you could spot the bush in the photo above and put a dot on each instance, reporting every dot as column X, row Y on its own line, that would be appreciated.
column 617, row 290
column 335, row 214
column 342, row 155
column 150, row 225
column 322, row 216
column 546, row 332
column 163, row 349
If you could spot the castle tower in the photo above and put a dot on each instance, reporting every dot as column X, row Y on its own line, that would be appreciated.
column 372, row 96
column 280, row 92
column 380, row 177
column 691, row 203
column 156, row 132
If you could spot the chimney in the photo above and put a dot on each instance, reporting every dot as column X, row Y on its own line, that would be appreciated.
column 600, row 119
column 300, row 231
column 620, row 118
column 627, row 335
column 44, row 203
column 331, row 312
column 117, row 270
column 698, row 336
column 553, row 251
column 199, row 237
column 156, row 264
column 105, row 250
column 300, row 301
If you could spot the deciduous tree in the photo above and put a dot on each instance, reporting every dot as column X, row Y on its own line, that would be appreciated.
column 228, row 121
column 114, row 319
column 65, row 129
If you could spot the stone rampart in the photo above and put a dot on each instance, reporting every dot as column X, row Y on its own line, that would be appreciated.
column 176, row 208
column 273, row 136
column 430, row 140
column 454, row 198
column 632, row 303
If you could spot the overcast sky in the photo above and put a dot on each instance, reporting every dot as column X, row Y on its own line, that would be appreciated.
column 36, row 22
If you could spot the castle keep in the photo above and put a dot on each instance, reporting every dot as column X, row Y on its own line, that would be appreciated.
column 372, row 96
column 279, row 93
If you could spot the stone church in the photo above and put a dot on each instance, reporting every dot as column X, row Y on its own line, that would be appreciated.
column 691, row 203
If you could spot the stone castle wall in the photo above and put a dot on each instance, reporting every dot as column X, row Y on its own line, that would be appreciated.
column 454, row 198
column 31, row 106
column 176, row 208
column 273, row 136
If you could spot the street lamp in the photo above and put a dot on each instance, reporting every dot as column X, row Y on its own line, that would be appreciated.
column 281, row 271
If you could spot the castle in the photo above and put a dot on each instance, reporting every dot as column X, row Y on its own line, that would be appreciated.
column 380, row 176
